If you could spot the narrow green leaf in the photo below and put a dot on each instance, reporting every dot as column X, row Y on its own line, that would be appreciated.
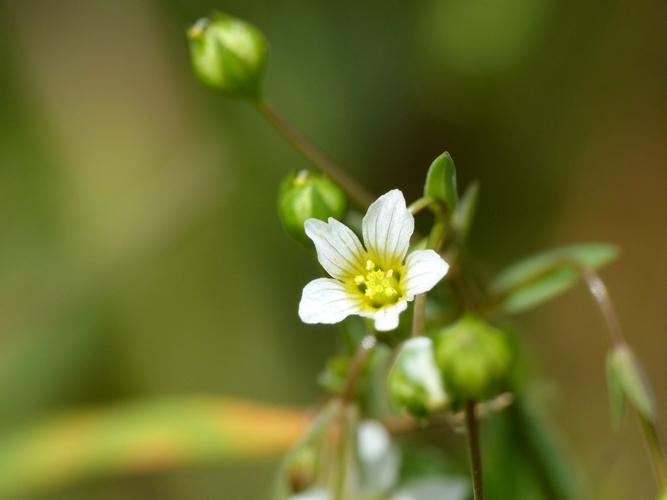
column 465, row 211
column 142, row 436
column 441, row 181
column 616, row 393
column 631, row 378
column 539, row 278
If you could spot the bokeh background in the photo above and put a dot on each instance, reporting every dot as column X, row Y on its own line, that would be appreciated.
column 141, row 254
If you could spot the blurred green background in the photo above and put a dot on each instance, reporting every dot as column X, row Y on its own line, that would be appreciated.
column 141, row 254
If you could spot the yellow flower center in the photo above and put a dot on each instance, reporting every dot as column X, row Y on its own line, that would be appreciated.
column 379, row 287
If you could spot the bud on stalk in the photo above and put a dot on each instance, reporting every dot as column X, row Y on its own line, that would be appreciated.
column 228, row 55
column 304, row 195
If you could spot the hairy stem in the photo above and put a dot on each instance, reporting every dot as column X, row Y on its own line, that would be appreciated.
column 357, row 193
column 472, row 426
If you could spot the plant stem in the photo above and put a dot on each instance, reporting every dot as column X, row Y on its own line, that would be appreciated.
column 365, row 347
column 419, row 315
column 355, row 191
column 472, row 426
column 650, row 432
column 343, row 453
column 420, row 204
column 656, row 450
column 602, row 298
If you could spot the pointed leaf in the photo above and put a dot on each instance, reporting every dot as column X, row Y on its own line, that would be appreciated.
column 441, row 181
column 631, row 377
column 539, row 278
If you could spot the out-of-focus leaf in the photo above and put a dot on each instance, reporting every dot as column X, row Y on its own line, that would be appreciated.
column 537, row 279
column 560, row 478
column 629, row 375
column 529, row 459
column 616, row 393
column 142, row 436
column 332, row 377
column 464, row 214
column 441, row 181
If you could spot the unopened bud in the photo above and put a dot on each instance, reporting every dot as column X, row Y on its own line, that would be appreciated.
column 414, row 381
column 304, row 195
column 474, row 359
column 228, row 54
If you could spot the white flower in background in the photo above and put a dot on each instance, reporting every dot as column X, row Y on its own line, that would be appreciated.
column 376, row 281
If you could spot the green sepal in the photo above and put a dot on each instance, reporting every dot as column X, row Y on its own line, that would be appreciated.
column 616, row 393
column 629, row 376
column 535, row 280
column 414, row 380
column 441, row 181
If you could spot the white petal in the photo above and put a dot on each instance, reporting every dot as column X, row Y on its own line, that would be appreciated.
column 387, row 228
column 325, row 300
column 387, row 319
column 424, row 268
column 338, row 248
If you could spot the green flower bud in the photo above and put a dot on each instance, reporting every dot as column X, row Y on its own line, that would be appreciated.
column 304, row 195
column 474, row 359
column 414, row 380
column 228, row 55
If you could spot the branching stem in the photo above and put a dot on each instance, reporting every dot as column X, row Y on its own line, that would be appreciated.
column 357, row 193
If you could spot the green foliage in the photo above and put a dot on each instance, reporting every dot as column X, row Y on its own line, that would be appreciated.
column 626, row 380
column 441, row 181
column 332, row 377
column 304, row 195
column 539, row 278
column 228, row 55
column 528, row 460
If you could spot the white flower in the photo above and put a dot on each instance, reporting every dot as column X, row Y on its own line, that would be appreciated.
column 376, row 281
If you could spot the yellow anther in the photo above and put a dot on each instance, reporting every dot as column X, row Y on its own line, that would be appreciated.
column 390, row 273
column 370, row 265
column 359, row 279
column 390, row 292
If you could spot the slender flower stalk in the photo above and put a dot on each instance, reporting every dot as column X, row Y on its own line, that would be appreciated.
column 472, row 426
column 654, row 443
column 356, row 367
column 357, row 193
